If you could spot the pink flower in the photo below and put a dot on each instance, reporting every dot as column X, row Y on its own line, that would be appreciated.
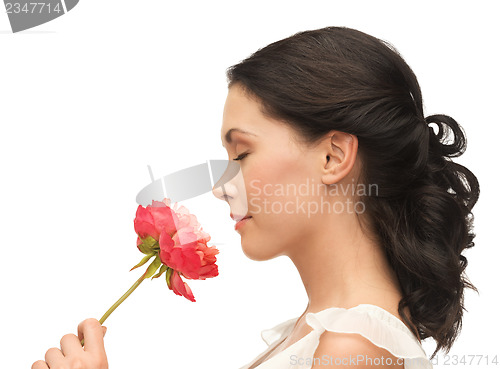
column 175, row 236
column 178, row 244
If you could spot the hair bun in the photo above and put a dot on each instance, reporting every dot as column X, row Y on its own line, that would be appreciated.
column 446, row 123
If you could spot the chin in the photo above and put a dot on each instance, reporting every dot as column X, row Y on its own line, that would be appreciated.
column 258, row 252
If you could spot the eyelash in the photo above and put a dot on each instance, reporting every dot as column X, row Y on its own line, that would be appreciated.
column 241, row 156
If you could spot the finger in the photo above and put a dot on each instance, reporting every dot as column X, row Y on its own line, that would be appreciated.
column 70, row 344
column 104, row 330
column 91, row 331
column 53, row 356
column 40, row 364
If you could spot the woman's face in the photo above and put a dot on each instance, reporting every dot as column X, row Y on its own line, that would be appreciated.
column 273, row 180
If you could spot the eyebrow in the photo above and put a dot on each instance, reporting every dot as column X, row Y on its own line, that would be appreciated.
column 230, row 132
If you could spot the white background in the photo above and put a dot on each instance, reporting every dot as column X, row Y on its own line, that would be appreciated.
column 88, row 100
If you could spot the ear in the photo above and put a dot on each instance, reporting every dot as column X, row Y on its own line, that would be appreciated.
column 339, row 151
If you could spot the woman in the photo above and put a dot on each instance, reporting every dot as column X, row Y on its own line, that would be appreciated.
column 340, row 171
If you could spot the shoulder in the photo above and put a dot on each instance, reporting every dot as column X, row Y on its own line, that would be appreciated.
column 352, row 350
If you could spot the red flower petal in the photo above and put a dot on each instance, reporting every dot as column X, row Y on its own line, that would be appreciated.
column 164, row 217
column 144, row 223
column 209, row 271
column 180, row 287
column 166, row 245
column 186, row 261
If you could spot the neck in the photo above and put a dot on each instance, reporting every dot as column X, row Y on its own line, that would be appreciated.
column 343, row 267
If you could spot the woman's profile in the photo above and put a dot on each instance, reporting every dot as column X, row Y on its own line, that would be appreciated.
column 341, row 171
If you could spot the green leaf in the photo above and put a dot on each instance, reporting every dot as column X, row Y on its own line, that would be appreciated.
column 162, row 270
column 167, row 276
column 143, row 261
column 153, row 267
column 149, row 241
column 148, row 245
column 144, row 249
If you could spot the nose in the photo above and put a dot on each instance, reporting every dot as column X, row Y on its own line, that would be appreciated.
column 225, row 187
column 219, row 192
column 224, row 191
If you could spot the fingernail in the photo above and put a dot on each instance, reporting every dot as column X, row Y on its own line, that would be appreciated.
column 105, row 330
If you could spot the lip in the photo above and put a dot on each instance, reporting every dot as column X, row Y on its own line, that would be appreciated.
column 241, row 223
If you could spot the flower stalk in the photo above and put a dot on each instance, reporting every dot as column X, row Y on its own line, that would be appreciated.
column 160, row 229
column 148, row 273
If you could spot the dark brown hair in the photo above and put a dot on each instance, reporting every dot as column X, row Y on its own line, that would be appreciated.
column 336, row 78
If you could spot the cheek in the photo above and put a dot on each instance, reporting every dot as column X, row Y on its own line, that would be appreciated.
column 273, row 200
column 275, row 189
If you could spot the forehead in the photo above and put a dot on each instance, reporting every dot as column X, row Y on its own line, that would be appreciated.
column 243, row 118
column 241, row 115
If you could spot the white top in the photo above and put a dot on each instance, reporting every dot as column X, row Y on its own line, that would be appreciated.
column 372, row 322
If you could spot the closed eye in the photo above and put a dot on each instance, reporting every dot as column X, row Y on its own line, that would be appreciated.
column 241, row 156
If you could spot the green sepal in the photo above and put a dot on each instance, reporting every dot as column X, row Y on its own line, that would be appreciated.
column 143, row 261
column 167, row 276
column 153, row 267
column 162, row 270
column 148, row 245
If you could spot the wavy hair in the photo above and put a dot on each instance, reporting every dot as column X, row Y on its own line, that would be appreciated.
column 337, row 78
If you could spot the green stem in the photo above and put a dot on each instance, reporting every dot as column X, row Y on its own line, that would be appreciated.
column 127, row 294
column 116, row 304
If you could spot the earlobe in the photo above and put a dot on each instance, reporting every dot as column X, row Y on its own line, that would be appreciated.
column 335, row 169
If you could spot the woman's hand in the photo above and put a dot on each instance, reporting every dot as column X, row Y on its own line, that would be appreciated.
column 72, row 355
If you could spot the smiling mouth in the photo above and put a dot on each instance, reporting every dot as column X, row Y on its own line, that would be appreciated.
column 241, row 222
